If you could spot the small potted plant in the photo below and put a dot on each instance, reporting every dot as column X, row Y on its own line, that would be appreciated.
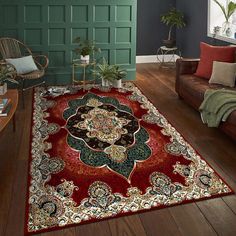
column 85, row 49
column 119, row 74
column 7, row 73
column 111, row 75
column 105, row 72
column 173, row 18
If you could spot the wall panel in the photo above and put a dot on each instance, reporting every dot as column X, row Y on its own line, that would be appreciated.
column 50, row 26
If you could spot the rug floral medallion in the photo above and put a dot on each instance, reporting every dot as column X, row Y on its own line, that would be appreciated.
column 97, row 154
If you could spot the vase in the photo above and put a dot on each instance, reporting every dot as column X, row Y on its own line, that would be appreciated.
column 227, row 29
column 117, row 83
column 3, row 89
column 105, row 83
column 85, row 59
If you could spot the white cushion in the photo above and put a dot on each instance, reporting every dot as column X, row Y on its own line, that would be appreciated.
column 23, row 65
column 223, row 73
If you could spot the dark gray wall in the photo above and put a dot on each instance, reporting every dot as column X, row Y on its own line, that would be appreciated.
column 189, row 38
column 150, row 31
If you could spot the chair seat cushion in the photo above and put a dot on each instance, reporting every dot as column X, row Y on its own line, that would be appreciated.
column 23, row 65
column 33, row 75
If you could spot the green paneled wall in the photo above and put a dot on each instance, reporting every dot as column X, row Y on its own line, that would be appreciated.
column 50, row 26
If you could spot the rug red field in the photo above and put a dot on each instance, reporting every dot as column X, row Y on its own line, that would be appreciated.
column 98, row 154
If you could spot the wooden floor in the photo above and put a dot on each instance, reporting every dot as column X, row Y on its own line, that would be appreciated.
column 210, row 217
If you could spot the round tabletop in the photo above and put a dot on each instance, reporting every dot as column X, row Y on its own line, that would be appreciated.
column 13, row 95
column 78, row 62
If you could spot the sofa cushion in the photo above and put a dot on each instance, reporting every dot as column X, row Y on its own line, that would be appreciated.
column 192, row 89
column 223, row 73
column 213, row 53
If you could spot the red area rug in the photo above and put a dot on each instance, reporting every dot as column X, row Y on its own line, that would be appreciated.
column 98, row 154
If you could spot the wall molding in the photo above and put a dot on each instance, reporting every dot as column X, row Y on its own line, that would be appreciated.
column 153, row 58
column 49, row 27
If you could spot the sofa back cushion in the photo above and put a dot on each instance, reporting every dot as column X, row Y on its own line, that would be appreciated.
column 223, row 73
column 211, row 53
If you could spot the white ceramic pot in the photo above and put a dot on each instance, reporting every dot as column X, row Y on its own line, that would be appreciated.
column 117, row 83
column 85, row 59
column 3, row 89
column 106, row 83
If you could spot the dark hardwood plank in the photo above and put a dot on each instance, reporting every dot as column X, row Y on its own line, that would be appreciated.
column 26, row 127
column 9, row 147
column 69, row 232
column 60, row 232
column 6, row 184
column 231, row 202
column 160, row 221
column 191, row 221
column 54, row 233
column 98, row 229
column 127, row 226
column 16, row 217
column 220, row 216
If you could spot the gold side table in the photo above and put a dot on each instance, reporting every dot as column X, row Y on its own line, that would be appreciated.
column 169, row 61
column 76, row 64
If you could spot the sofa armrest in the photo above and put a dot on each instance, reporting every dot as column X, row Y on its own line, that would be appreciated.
column 184, row 66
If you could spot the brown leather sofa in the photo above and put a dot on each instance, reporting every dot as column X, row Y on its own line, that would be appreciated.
column 191, row 89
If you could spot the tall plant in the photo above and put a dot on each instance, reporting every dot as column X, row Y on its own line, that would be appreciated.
column 227, row 11
column 173, row 18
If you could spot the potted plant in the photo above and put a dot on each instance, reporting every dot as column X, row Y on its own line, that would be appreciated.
column 105, row 72
column 227, row 12
column 173, row 18
column 111, row 75
column 7, row 73
column 85, row 49
column 119, row 74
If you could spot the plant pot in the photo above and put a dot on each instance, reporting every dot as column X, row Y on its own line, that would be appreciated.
column 117, row 83
column 85, row 59
column 169, row 43
column 106, row 83
column 3, row 89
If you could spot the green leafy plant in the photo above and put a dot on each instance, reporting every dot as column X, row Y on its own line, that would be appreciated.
column 173, row 18
column 228, row 11
column 119, row 73
column 109, row 72
column 7, row 73
column 86, row 47
column 104, row 71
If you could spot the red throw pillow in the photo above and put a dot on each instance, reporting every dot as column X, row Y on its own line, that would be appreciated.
column 213, row 53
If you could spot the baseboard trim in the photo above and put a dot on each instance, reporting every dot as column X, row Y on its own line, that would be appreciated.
column 153, row 58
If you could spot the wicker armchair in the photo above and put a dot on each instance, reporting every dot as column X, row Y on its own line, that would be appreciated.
column 13, row 48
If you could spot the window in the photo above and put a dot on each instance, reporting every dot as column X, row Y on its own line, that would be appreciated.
column 217, row 26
